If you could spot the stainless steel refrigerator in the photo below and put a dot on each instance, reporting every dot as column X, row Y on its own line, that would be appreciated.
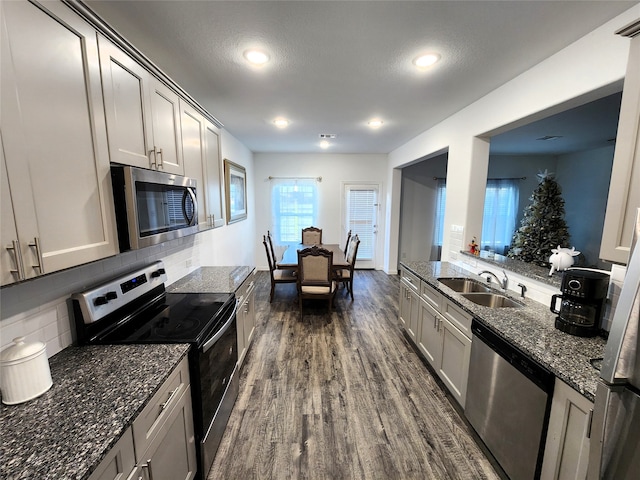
column 615, row 433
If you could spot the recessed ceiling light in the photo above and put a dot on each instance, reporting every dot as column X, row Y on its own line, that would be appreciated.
column 256, row 57
column 324, row 144
column 281, row 122
column 426, row 60
column 375, row 123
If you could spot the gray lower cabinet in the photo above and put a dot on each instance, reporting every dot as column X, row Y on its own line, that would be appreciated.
column 441, row 331
column 566, row 454
column 246, row 318
column 119, row 462
column 160, row 445
column 409, row 303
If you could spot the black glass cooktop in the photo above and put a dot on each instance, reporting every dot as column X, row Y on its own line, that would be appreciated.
column 177, row 318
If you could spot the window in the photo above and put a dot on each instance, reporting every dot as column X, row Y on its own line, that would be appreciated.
column 499, row 218
column 294, row 207
column 441, row 198
column 500, row 213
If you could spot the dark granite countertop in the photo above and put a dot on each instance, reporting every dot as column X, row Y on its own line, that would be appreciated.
column 530, row 328
column 212, row 280
column 97, row 392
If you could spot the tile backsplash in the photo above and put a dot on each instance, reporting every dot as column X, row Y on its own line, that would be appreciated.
column 38, row 309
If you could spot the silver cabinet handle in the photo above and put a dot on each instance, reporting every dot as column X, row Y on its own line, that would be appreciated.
column 15, row 246
column 147, row 466
column 161, row 163
column 36, row 245
column 153, row 164
column 165, row 404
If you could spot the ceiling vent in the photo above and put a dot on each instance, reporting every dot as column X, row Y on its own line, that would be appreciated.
column 327, row 135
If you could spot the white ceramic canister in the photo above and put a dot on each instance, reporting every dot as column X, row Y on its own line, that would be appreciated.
column 25, row 371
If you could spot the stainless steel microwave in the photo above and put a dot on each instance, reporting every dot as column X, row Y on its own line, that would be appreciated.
column 152, row 207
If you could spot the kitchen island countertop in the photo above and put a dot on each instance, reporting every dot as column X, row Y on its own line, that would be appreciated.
column 97, row 392
column 531, row 328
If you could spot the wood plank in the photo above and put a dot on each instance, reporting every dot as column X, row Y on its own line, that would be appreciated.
column 342, row 395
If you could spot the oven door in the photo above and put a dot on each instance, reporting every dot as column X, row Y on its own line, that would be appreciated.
column 217, row 360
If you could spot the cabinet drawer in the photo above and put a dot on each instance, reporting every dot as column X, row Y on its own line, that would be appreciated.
column 151, row 419
column 410, row 280
column 457, row 316
column 430, row 295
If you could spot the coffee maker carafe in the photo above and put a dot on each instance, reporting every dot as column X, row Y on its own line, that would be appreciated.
column 584, row 294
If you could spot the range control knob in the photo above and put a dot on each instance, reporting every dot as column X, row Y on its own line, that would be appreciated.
column 100, row 301
column 157, row 273
column 111, row 295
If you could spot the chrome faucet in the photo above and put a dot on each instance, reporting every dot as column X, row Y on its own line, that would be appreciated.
column 503, row 283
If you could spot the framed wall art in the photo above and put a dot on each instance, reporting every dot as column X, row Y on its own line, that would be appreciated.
column 235, row 183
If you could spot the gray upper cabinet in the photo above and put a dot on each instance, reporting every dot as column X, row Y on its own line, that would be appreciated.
column 143, row 114
column 624, row 192
column 200, row 150
column 56, row 185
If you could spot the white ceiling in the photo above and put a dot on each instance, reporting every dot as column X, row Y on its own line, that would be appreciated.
column 336, row 64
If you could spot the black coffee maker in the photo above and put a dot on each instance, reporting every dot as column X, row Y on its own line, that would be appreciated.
column 584, row 294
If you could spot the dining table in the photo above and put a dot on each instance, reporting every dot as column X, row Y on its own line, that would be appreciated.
column 289, row 260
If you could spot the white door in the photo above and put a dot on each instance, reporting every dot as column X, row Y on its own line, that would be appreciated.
column 361, row 217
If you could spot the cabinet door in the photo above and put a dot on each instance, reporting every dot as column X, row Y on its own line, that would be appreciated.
column 566, row 454
column 624, row 193
column 213, row 167
column 54, row 137
column 172, row 455
column 193, row 153
column 414, row 315
column 165, row 109
column 118, row 463
column 430, row 340
column 454, row 362
column 10, row 259
column 405, row 305
column 250, row 313
column 127, row 107
column 240, row 323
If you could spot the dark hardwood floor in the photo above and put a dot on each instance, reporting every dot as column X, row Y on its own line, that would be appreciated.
column 341, row 395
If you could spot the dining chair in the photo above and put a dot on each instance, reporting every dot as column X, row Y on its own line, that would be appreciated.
column 277, row 275
column 345, row 275
column 273, row 253
column 346, row 245
column 315, row 277
column 312, row 236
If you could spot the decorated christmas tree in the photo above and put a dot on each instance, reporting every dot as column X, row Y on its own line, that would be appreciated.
column 543, row 226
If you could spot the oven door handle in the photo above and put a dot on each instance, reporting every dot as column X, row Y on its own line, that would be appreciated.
column 209, row 343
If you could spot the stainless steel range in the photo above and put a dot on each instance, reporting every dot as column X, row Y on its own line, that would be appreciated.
column 135, row 308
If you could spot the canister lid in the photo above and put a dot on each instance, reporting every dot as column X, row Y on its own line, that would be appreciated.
column 21, row 350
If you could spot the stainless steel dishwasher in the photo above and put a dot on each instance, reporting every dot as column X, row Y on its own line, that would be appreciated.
column 508, row 403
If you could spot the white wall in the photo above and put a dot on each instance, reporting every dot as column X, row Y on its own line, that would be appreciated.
column 585, row 178
column 588, row 69
column 419, row 208
column 38, row 309
column 335, row 170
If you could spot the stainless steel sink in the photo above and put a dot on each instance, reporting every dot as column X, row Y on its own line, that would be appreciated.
column 464, row 285
column 491, row 300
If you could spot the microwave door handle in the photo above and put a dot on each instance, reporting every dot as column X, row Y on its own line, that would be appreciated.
column 194, row 201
